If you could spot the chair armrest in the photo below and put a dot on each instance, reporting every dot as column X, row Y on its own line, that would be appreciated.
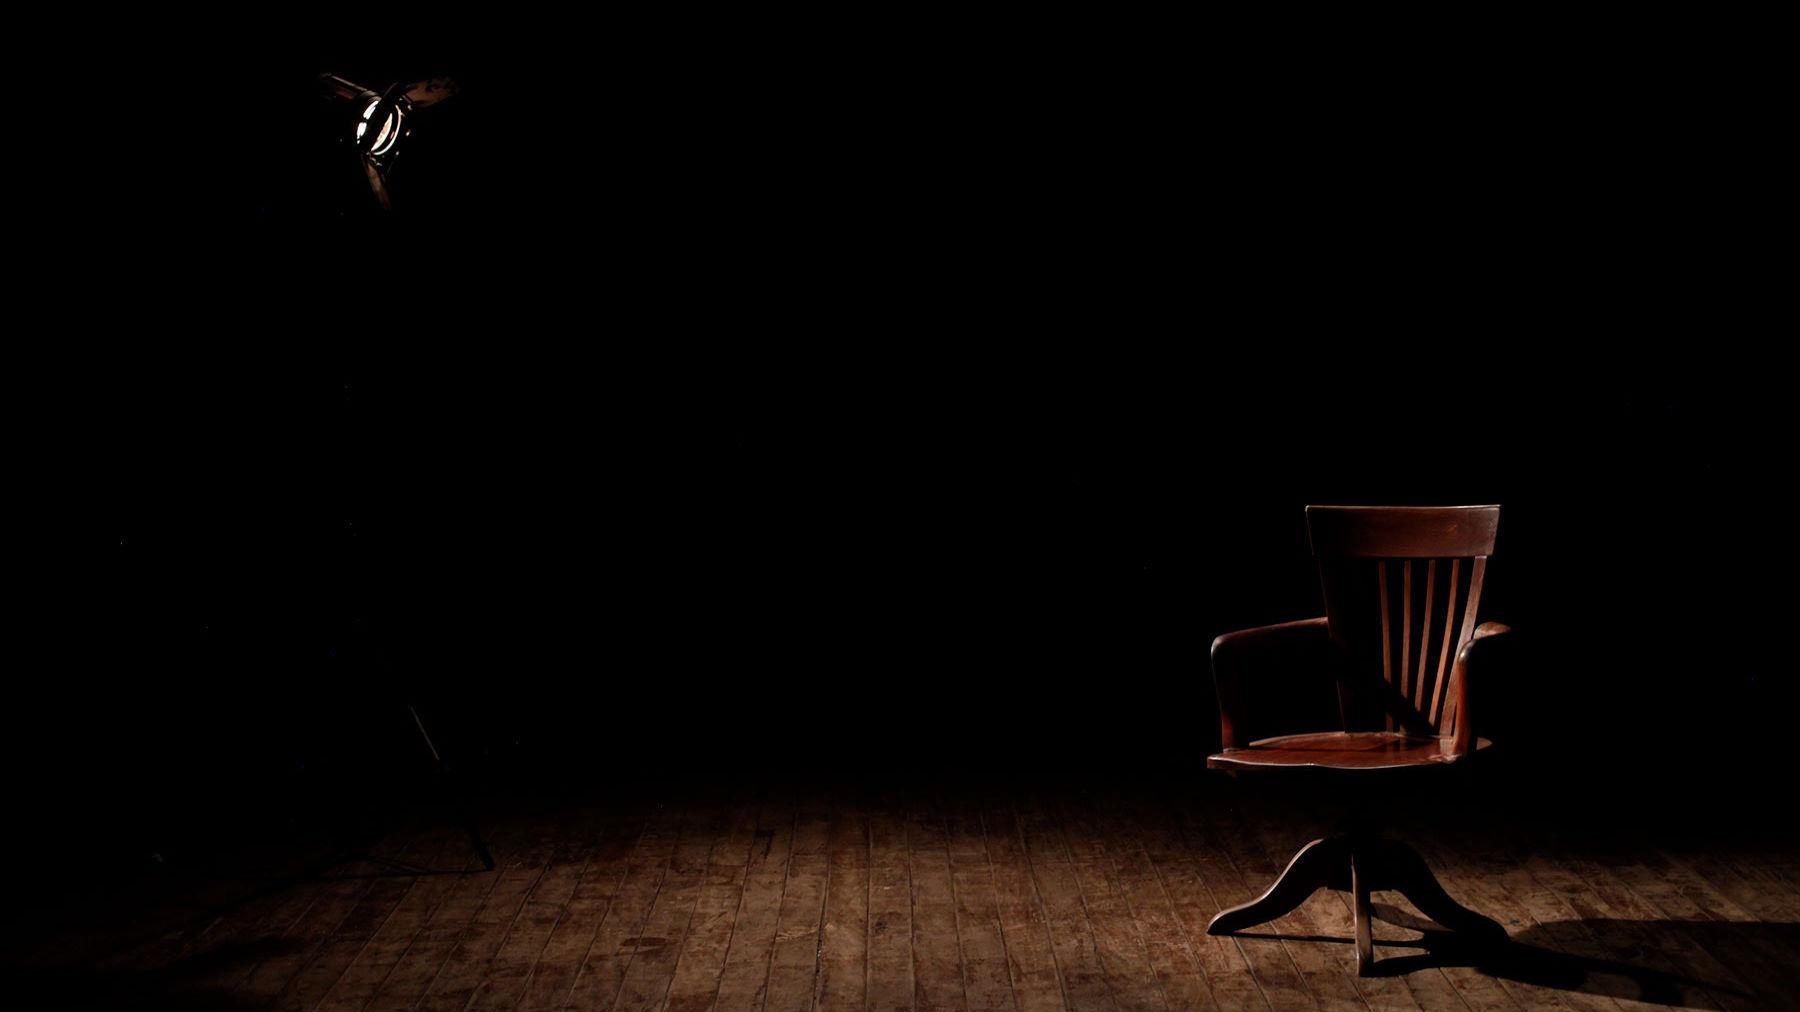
column 1469, row 664
column 1271, row 647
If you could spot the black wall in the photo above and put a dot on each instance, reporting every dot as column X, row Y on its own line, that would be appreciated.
column 702, row 408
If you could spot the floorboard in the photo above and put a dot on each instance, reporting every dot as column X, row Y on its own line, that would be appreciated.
column 759, row 899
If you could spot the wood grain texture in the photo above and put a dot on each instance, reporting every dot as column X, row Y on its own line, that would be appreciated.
column 616, row 938
column 794, row 964
column 1061, row 900
column 1024, row 923
column 743, row 981
column 1402, row 532
column 987, row 975
column 1328, row 977
column 1366, row 559
column 936, row 942
column 1172, row 960
column 552, row 976
column 844, row 936
column 889, row 944
column 1268, row 959
column 698, row 968
column 1364, row 750
column 1059, row 891
column 1123, row 952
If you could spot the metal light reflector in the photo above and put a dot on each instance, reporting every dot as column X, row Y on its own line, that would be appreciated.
column 377, row 123
column 390, row 131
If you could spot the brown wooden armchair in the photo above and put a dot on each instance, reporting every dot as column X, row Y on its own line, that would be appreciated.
column 1400, row 641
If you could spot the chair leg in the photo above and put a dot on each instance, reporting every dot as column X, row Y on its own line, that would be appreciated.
column 1399, row 867
column 1362, row 864
column 1359, row 891
column 1321, row 864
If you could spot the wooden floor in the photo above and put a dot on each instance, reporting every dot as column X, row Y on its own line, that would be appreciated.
column 770, row 899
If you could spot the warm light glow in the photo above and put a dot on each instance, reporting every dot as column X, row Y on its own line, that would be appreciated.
column 389, row 134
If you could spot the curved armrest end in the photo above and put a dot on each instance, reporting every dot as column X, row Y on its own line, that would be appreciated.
column 1281, row 645
column 1462, row 738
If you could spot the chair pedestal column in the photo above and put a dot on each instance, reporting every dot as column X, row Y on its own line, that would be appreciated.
column 1360, row 865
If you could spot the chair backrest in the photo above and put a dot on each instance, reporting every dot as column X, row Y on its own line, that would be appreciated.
column 1401, row 584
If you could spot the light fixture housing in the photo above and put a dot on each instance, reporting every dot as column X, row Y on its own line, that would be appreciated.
column 375, row 124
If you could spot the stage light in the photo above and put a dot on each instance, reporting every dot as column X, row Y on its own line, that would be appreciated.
column 377, row 123
column 387, row 138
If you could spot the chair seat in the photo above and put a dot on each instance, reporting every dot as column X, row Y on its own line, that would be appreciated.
column 1340, row 750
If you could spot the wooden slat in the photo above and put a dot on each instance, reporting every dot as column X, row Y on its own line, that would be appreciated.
column 1418, row 693
column 1443, row 671
column 1470, row 604
column 1405, row 627
column 1387, row 648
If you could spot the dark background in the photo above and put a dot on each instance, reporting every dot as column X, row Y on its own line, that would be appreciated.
column 887, row 404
